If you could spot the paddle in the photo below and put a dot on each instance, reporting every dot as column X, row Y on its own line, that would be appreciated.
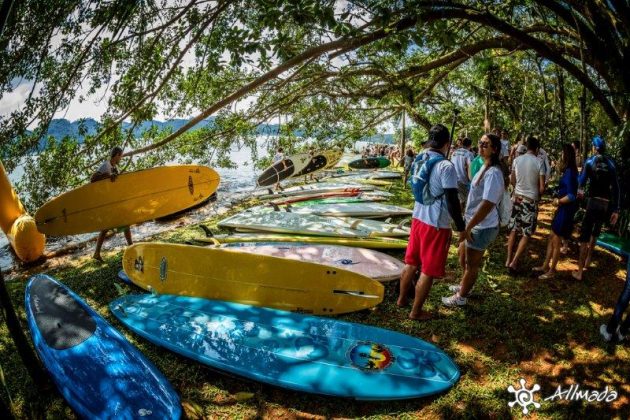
column 450, row 144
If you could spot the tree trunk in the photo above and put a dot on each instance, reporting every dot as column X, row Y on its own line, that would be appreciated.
column 403, row 140
column 583, row 122
column 30, row 360
column 562, row 100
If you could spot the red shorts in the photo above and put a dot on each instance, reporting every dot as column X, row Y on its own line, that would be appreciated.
column 428, row 247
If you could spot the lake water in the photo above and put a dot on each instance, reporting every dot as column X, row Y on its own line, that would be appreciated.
column 235, row 185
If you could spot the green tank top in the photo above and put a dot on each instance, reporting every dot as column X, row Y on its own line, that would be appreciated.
column 475, row 165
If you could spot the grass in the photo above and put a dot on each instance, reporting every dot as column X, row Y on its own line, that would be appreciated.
column 515, row 327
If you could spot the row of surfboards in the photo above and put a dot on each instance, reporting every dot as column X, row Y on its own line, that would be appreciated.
column 204, row 308
column 301, row 164
column 245, row 308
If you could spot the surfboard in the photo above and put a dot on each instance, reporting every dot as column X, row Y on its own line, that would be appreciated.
column 317, row 162
column 373, row 228
column 283, row 169
column 294, row 351
column 371, row 243
column 20, row 228
column 132, row 198
column 360, row 209
column 369, row 163
column 373, row 264
column 259, row 280
column 335, row 200
column 122, row 276
column 333, row 156
column 312, row 189
column 99, row 373
column 283, row 222
column 307, row 197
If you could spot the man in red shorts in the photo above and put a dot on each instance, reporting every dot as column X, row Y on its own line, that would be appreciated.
column 430, row 235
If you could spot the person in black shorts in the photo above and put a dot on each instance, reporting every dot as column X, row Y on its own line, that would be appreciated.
column 602, row 202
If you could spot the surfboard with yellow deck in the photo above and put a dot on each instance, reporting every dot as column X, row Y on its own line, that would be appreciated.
column 27, row 242
column 259, row 280
column 131, row 198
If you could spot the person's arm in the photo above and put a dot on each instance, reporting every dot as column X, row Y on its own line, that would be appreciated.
column 467, row 162
column 541, row 184
column 455, row 208
column 584, row 175
column 571, row 191
column 513, row 178
column 482, row 211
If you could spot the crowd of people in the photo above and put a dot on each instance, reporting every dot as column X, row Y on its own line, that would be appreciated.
column 477, row 192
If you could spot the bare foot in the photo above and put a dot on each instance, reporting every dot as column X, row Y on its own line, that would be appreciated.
column 576, row 275
column 402, row 302
column 423, row 316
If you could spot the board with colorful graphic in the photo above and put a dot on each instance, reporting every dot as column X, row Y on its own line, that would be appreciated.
column 299, row 352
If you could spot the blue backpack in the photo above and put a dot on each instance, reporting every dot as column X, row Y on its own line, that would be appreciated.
column 420, row 172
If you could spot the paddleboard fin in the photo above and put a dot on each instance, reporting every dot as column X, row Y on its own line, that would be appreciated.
column 275, row 206
column 207, row 231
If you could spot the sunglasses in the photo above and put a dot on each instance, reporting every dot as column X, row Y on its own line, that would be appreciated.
column 484, row 144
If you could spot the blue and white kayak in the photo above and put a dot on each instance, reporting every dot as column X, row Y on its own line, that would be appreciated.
column 99, row 373
column 289, row 350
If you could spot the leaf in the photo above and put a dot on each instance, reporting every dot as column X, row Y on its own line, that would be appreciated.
column 243, row 396
column 121, row 291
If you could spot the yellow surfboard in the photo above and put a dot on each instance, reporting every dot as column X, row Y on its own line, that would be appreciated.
column 19, row 227
column 132, row 198
column 332, row 156
column 252, row 279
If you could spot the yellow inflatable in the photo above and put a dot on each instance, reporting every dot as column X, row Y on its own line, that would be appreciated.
column 19, row 227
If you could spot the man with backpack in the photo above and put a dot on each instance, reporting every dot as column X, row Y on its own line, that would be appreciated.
column 434, row 186
column 602, row 200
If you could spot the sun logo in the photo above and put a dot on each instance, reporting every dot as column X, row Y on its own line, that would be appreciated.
column 523, row 396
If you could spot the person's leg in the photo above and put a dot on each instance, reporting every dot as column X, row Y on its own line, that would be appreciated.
column 406, row 284
column 422, row 291
column 620, row 308
column 412, row 263
column 99, row 245
column 510, row 247
column 545, row 265
column 461, row 253
column 522, row 246
column 589, row 253
column 581, row 260
column 556, row 245
column 128, row 236
column 473, row 262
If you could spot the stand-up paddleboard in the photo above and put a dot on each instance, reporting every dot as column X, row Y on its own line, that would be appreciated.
column 373, row 228
column 299, row 352
column 361, row 209
column 317, row 162
column 99, row 373
column 371, row 243
column 283, row 169
column 373, row 264
column 369, row 163
column 337, row 200
column 301, row 200
column 283, row 222
column 307, row 197
column 20, row 228
column 122, row 276
column 333, row 156
column 132, row 198
column 259, row 280
column 318, row 187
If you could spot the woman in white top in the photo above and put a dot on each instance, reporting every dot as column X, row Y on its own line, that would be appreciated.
column 482, row 216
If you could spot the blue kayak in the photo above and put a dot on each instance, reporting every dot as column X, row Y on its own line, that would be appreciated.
column 99, row 373
column 289, row 350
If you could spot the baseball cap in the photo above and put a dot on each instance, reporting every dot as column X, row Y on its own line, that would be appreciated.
column 598, row 142
column 521, row 149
